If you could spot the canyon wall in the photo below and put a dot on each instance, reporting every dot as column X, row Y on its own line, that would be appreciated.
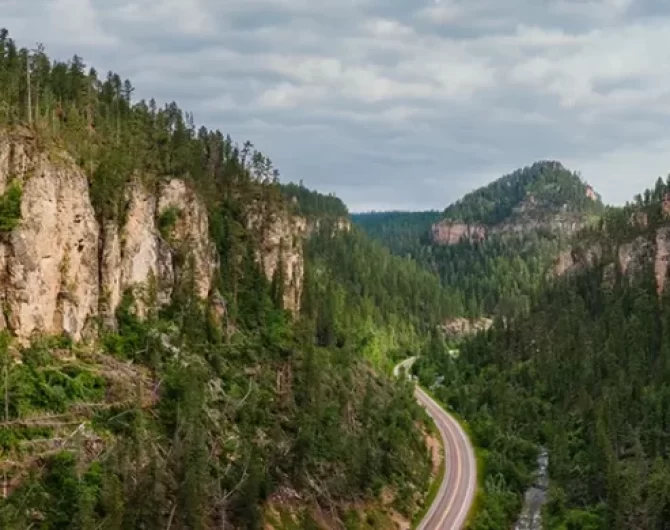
column 631, row 258
column 61, row 271
column 452, row 232
column 280, row 243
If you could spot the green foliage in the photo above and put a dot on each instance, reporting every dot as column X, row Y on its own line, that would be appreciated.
column 365, row 299
column 10, row 207
column 585, row 375
column 498, row 277
column 312, row 204
column 167, row 220
column 549, row 183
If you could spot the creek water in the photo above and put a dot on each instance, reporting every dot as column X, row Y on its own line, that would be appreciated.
column 536, row 496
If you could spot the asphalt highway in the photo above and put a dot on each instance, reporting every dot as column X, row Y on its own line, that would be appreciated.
column 454, row 499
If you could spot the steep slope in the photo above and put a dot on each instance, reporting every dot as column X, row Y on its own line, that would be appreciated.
column 166, row 358
column 585, row 375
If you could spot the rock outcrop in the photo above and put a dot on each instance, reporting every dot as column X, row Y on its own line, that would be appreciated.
column 280, row 244
column 60, row 270
column 631, row 259
column 662, row 257
column 451, row 233
column 577, row 259
column 49, row 263
column 634, row 255
column 149, row 261
column 459, row 328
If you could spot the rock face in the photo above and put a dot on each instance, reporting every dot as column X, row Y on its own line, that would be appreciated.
column 452, row 233
column 662, row 257
column 281, row 238
column 139, row 257
column 59, row 269
column 577, row 259
column 340, row 224
column 634, row 255
column 631, row 258
column 458, row 328
column 49, row 263
column 190, row 233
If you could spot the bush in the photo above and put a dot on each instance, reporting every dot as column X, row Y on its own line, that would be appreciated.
column 10, row 207
column 167, row 220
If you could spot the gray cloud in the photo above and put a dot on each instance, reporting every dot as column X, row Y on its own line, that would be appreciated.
column 394, row 103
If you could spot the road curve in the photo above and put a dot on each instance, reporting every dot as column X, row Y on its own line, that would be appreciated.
column 452, row 503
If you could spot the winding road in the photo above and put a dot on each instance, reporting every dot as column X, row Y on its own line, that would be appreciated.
column 450, row 508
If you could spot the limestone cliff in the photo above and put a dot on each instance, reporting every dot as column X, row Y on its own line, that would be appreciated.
column 164, row 240
column 630, row 258
column 281, row 238
column 60, row 270
column 49, row 263
column 451, row 232
column 459, row 328
column 448, row 232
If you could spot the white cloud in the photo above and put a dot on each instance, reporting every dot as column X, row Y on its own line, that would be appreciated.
column 428, row 98
column 78, row 23
column 442, row 13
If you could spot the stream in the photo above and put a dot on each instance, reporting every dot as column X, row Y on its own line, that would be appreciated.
column 536, row 496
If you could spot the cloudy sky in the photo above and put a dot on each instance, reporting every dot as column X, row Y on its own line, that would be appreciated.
column 394, row 104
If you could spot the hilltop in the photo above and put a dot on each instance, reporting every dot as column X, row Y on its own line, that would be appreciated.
column 543, row 196
column 493, row 247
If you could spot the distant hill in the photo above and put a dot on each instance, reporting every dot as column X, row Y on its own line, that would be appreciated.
column 493, row 247
column 544, row 187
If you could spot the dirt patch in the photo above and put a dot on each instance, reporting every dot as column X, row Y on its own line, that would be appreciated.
column 435, row 447
column 400, row 521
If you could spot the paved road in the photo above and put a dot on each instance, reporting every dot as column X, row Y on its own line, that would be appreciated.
column 450, row 508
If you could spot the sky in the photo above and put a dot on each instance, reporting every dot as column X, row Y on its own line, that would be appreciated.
column 394, row 104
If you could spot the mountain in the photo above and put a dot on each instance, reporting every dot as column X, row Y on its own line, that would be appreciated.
column 542, row 197
column 538, row 191
column 186, row 343
column 493, row 248
column 584, row 374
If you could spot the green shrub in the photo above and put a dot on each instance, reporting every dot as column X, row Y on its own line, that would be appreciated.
column 10, row 207
column 167, row 220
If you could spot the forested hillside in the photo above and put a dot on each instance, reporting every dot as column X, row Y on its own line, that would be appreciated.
column 312, row 204
column 492, row 248
column 551, row 186
column 178, row 410
column 586, row 375
column 403, row 233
